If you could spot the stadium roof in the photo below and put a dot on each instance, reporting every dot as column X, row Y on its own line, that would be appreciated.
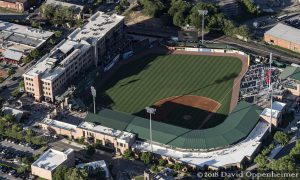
column 285, row 32
column 291, row 72
column 236, row 126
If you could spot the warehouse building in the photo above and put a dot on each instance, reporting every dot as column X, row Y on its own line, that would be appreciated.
column 284, row 36
column 17, row 41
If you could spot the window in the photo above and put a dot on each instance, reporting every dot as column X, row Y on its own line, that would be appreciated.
column 271, row 40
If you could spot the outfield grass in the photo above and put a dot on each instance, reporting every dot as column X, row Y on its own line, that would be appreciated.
column 142, row 83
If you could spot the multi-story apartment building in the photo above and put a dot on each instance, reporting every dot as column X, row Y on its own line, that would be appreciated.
column 104, row 33
column 53, row 73
column 97, row 42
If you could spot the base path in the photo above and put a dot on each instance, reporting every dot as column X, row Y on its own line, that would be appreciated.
column 237, row 80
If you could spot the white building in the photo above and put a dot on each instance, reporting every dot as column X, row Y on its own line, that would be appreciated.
column 45, row 165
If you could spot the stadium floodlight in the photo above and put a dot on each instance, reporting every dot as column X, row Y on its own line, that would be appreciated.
column 93, row 91
column 151, row 111
column 203, row 13
column 270, row 91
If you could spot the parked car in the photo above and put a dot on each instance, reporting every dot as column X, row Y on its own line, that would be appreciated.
column 294, row 128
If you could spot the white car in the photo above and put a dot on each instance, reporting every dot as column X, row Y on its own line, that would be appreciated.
column 298, row 122
column 294, row 128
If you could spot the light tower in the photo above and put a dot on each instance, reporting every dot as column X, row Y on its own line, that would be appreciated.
column 93, row 91
column 270, row 91
column 203, row 13
column 151, row 111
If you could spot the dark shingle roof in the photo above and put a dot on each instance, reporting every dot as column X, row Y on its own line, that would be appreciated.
column 236, row 126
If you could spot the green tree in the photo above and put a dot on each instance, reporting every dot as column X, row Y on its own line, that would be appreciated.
column 90, row 151
column 15, row 93
column 127, row 154
column 154, row 168
column 60, row 172
column 261, row 161
column 179, row 11
column 57, row 34
column 285, row 163
column 162, row 162
column 124, row 3
column 281, row 138
column 152, row 7
column 249, row 6
column 118, row 9
column 1, row 79
column 76, row 174
column 21, row 84
column 10, row 71
column 178, row 166
column 295, row 152
column 146, row 157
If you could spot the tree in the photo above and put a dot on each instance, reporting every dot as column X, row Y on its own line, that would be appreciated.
column 281, row 138
column 10, row 71
column 261, row 161
column 1, row 79
column 60, row 172
column 285, row 163
column 15, row 93
column 242, row 31
column 249, row 6
column 127, row 154
column 152, row 7
column 90, row 151
column 76, row 174
column 179, row 11
column 118, row 9
column 295, row 152
column 57, row 34
column 21, row 84
column 124, row 3
column 154, row 168
column 178, row 166
column 146, row 157
column 162, row 162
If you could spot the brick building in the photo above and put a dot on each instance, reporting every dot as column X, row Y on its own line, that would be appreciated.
column 17, row 5
column 284, row 36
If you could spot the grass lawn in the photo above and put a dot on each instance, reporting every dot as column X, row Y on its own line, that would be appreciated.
column 142, row 83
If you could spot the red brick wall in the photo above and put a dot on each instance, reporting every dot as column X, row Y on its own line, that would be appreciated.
column 282, row 43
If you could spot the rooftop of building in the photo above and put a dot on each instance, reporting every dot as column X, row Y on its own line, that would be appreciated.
column 13, row 111
column 98, row 25
column 11, row 54
column 268, row 111
column 121, row 135
column 291, row 72
column 94, row 165
column 25, row 30
column 53, row 64
column 51, row 159
column 285, row 32
column 59, row 124
column 235, row 127
column 14, row 1
column 77, row 8
column 279, row 106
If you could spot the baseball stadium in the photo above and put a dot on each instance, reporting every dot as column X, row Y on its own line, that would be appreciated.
column 193, row 94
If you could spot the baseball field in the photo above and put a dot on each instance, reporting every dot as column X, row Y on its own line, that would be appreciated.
column 187, row 90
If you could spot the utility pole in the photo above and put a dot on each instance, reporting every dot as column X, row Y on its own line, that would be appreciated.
column 151, row 111
column 203, row 13
column 93, row 90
